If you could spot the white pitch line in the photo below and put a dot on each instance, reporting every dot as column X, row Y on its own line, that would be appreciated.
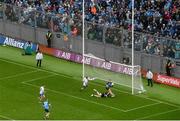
column 75, row 97
column 157, row 114
column 134, row 95
column 21, row 74
column 5, row 117
column 155, row 100
column 132, row 109
column 37, row 78
column 30, row 67
column 94, row 84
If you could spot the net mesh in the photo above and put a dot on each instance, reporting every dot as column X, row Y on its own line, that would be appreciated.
column 120, row 74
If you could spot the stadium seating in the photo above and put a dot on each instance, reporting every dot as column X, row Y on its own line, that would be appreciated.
column 107, row 21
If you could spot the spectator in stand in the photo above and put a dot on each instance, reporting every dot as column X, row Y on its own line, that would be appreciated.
column 152, row 16
column 156, row 17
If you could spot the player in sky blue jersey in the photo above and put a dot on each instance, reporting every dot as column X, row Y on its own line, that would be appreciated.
column 46, row 107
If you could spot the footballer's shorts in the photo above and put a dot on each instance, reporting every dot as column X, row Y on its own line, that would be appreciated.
column 41, row 94
column 85, row 84
column 46, row 110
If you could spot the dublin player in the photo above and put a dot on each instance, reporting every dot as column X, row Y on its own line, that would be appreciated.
column 109, row 85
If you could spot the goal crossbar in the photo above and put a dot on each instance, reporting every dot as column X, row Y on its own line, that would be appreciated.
column 117, row 72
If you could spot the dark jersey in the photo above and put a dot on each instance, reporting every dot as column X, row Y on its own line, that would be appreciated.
column 109, row 85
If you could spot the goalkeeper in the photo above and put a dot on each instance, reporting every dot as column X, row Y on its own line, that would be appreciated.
column 109, row 85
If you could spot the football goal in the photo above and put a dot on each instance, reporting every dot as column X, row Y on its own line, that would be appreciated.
column 118, row 73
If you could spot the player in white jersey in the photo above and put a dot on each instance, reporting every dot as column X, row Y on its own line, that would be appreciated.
column 85, row 82
column 41, row 93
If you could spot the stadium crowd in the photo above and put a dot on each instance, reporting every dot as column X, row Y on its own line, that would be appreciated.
column 159, row 17
column 155, row 18
column 106, row 20
column 58, row 15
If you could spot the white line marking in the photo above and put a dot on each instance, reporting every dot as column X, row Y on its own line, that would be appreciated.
column 75, row 97
column 38, row 78
column 21, row 74
column 5, row 117
column 132, row 109
column 16, row 63
column 155, row 100
column 40, row 69
column 25, row 82
column 157, row 114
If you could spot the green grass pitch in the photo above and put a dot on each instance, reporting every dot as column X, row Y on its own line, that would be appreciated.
column 19, row 90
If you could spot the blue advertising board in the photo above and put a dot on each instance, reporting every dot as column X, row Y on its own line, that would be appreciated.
column 16, row 42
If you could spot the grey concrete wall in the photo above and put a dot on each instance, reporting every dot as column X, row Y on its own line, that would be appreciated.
column 106, row 51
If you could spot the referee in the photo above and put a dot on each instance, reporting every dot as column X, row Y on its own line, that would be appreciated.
column 39, row 57
column 149, row 77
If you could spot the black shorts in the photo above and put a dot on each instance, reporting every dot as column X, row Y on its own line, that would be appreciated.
column 107, row 88
column 46, row 110
column 103, row 95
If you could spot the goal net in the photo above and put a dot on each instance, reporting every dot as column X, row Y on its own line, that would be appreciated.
column 120, row 74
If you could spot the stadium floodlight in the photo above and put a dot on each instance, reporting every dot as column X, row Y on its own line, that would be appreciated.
column 120, row 74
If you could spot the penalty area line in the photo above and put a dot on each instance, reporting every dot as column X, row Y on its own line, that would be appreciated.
column 43, row 77
column 144, row 106
column 147, row 98
column 35, row 68
column 20, row 74
column 157, row 114
column 7, row 118
column 75, row 97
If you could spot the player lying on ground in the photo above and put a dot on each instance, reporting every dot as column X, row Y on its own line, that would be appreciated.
column 85, row 82
column 46, row 107
column 41, row 93
column 98, row 94
column 109, row 85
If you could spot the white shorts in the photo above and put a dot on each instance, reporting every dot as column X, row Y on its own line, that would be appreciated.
column 85, row 84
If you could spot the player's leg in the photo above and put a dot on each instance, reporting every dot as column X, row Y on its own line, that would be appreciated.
column 37, row 63
column 148, row 82
column 40, row 63
column 47, row 115
column 84, row 86
column 111, row 93
column 151, row 83
column 96, row 95
column 41, row 97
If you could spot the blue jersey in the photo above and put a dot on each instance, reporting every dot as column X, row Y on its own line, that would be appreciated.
column 46, row 105
column 109, row 85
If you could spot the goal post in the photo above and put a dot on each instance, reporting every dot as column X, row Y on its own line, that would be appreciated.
column 120, row 74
